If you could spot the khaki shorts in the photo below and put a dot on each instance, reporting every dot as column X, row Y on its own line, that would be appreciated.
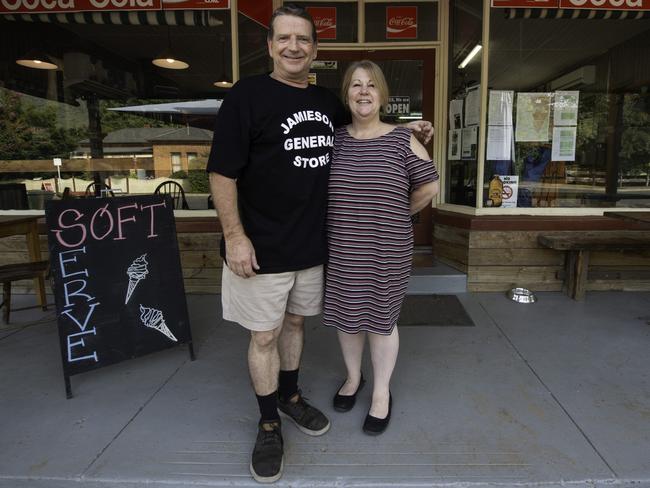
column 259, row 303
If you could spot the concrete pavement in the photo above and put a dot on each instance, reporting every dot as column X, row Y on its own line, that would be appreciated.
column 555, row 393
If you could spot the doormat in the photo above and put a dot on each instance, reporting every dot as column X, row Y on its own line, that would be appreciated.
column 434, row 310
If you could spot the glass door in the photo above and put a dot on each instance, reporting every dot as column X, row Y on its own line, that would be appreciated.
column 410, row 76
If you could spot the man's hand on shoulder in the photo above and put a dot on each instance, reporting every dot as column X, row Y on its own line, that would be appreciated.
column 240, row 255
column 422, row 129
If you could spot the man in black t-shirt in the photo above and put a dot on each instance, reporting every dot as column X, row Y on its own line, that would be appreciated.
column 269, row 169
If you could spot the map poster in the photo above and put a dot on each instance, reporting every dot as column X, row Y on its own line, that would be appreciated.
column 533, row 117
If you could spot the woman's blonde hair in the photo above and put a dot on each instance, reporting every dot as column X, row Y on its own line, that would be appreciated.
column 375, row 74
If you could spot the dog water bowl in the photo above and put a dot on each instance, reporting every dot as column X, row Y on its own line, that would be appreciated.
column 521, row 295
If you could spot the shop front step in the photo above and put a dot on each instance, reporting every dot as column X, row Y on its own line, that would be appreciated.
column 438, row 278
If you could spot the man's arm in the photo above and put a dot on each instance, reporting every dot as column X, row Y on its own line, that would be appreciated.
column 240, row 253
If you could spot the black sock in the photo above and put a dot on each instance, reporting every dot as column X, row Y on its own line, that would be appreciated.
column 268, row 407
column 288, row 384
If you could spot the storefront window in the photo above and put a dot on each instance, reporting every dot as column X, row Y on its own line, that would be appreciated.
column 569, row 118
column 105, row 109
column 253, row 52
column 465, row 30
column 394, row 22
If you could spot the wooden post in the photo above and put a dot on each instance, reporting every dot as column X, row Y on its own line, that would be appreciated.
column 577, row 268
column 34, row 249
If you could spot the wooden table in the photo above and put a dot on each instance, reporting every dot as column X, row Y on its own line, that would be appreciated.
column 578, row 247
column 11, row 225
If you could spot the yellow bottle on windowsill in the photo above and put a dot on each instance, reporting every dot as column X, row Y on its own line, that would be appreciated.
column 495, row 192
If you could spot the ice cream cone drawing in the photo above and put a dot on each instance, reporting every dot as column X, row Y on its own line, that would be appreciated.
column 137, row 271
column 154, row 319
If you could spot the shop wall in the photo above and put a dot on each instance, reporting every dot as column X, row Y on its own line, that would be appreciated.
column 498, row 253
column 199, row 252
column 201, row 261
column 493, row 259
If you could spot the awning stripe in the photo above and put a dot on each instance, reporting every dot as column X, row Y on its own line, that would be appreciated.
column 596, row 14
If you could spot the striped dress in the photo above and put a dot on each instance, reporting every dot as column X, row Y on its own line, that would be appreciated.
column 369, row 230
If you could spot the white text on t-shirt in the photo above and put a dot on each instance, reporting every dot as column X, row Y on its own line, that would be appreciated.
column 304, row 116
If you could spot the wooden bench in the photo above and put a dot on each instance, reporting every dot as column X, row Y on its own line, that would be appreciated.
column 15, row 272
column 578, row 247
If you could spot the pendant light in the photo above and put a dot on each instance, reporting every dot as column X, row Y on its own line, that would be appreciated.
column 223, row 81
column 37, row 60
column 166, row 58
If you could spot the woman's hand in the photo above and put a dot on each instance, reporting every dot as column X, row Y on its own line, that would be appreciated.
column 422, row 129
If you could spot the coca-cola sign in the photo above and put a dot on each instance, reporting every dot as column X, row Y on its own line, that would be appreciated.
column 62, row 6
column 324, row 20
column 59, row 6
column 402, row 22
column 575, row 4
column 607, row 4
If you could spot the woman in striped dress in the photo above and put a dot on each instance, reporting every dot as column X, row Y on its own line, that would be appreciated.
column 380, row 176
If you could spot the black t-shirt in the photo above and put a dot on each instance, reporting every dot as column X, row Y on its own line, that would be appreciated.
column 277, row 141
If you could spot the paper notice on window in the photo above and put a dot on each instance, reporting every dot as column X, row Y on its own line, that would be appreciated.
column 510, row 191
column 499, row 142
column 453, row 149
column 469, row 142
column 500, row 107
column 473, row 106
column 564, row 144
column 456, row 114
column 566, row 108
column 533, row 117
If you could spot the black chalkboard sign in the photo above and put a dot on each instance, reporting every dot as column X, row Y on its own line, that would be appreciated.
column 118, row 283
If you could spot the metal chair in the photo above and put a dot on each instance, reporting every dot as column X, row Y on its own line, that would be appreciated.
column 104, row 190
column 175, row 191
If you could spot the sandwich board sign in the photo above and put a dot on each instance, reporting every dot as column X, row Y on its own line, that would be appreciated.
column 118, row 284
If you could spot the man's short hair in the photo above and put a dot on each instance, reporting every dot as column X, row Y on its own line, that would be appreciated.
column 376, row 75
column 296, row 11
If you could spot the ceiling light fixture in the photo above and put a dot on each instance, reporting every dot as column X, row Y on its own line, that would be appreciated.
column 166, row 59
column 37, row 60
column 223, row 81
column 470, row 56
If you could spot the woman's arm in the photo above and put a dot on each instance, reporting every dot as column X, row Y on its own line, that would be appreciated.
column 423, row 194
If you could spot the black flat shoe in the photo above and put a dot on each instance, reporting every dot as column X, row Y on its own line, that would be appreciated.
column 373, row 425
column 344, row 403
